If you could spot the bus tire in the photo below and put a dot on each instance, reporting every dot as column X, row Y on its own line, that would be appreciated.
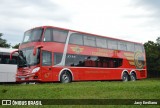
column 65, row 77
column 133, row 77
column 125, row 77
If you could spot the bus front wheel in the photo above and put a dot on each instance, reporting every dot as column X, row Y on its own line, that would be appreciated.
column 65, row 77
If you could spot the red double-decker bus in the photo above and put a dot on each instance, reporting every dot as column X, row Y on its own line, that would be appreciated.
column 50, row 54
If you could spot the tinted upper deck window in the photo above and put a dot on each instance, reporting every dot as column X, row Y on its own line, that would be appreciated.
column 33, row 35
column 56, row 35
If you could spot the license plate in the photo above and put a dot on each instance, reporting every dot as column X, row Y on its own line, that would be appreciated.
column 22, row 78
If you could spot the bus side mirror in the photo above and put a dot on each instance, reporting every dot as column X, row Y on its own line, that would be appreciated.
column 35, row 49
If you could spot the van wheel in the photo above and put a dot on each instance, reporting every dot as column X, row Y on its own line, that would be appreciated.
column 65, row 77
column 125, row 77
column 133, row 77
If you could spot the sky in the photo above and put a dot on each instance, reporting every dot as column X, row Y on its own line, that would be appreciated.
column 133, row 20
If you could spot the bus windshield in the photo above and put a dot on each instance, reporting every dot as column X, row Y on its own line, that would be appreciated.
column 27, row 58
column 33, row 35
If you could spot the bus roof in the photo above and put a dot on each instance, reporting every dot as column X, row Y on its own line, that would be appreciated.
column 85, row 33
column 7, row 50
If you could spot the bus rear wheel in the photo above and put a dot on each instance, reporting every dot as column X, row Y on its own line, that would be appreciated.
column 125, row 77
column 65, row 77
column 133, row 77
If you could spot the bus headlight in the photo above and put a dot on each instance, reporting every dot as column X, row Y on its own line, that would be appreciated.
column 35, row 69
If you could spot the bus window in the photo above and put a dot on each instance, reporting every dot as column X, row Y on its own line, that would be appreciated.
column 100, row 42
column 5, row 59
column 36, row 35
column 89, row 41
column 122, row 46
column 59, row 35
column 46, row 58
column 111, row 62
column 112, row 44
column 130, row 47
column 57, row 58
column 75, row 60
column 76, row 39
column 138, row 48
column 47, row 35
column 56, row 35
column 71, row 60
column 33, row 35
column 27, row 36
column 92, row 61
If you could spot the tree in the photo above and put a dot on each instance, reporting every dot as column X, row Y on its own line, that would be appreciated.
column 3, row 42
column 158, row 40
column 153, row 57
column 16, row 46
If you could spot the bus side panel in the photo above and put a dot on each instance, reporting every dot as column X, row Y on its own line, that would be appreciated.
column 56, row 72
column 141, row 74
column 8, row 73
column 96, row 73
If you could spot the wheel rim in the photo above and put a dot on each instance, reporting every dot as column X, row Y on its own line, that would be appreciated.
column 125, row 78
column 133, row 78
column 65, row 78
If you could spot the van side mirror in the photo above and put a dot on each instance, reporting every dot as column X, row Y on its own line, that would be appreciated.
column 35, row 49
column 13, row 53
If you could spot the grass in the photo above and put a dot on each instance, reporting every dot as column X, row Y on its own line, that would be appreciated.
column 141, row 89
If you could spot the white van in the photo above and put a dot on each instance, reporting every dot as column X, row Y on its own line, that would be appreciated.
column 8, row 68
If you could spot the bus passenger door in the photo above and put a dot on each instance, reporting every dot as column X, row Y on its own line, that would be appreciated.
column 46, row 66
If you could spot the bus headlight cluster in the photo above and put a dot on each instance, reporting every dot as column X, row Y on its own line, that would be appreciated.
column 35, row 69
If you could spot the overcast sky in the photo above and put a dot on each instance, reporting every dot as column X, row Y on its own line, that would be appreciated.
column 134, row 20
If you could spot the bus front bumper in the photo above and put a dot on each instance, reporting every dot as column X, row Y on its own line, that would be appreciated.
column 27, row 78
